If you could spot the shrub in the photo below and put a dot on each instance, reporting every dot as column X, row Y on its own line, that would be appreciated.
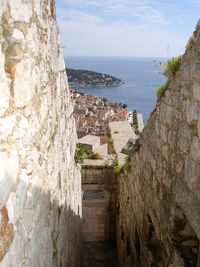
column 172, row 67
column 111, row 145
column 115, row 161
column 94, row 156
column 161, row 91
column 81, row 153
column 119, row 169
column 110, row 141
column 127, row 165
column 137, row 132
column 127, row 159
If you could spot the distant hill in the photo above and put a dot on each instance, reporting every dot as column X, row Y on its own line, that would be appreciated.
column 86, row 78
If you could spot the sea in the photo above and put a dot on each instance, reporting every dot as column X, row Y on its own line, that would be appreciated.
column 141, row 78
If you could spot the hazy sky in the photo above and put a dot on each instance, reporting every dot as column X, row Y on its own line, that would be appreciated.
column 126, row 27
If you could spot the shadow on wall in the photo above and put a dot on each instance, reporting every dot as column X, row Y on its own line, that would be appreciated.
column 37, row 228
column 185, row 241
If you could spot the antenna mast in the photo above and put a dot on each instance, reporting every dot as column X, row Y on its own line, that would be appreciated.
column 167, row 51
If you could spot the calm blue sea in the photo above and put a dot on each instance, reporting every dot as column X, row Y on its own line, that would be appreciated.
column 140, row 75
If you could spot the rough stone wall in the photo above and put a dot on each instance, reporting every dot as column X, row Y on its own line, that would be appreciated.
column 158, row 202
column 40, row 188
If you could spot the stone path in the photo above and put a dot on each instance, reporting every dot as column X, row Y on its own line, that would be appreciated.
column 99, row 254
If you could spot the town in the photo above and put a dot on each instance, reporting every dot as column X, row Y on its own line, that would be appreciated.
column 93, row 113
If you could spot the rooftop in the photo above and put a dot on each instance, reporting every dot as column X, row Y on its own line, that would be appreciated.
column 89, row 139
column 121, row 132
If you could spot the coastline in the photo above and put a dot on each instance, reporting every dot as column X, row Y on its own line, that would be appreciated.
column 140, row 76
column 96, row 86
column 84, row 78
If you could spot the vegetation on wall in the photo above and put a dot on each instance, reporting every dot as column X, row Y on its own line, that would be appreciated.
column 125, row 167
column 81, row 153
column 95, row 156
column 115, row 161
column 161, row 91
column 119, row 169
column 111, row 145
column 170, row 69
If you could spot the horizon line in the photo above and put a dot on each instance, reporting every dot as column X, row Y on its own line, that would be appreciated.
column 115, row 56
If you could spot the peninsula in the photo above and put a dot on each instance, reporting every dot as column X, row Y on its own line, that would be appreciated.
column 85, row 78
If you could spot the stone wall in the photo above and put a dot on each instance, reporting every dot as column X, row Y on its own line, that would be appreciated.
column 158, row 201
column 40, row 187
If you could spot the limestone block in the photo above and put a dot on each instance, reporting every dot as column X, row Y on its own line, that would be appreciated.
column 194, row 69
column 162, row 112
column 169, row 114
column 43, row 108
column 195, row 149
column 61, row 66
column 8, row 176
column 21, row 12
column 185, row 75
column 6, row 126
column 35, row 123
column 14, row 47
column 192, row 109
column 163, row 132
column 54, row 48
column 198, row 126
column 4, row 89
column 196, row 91
column 32, row 161
column 191, row 170
column 16, row 256
column 3, row 6
column 37, row 7
column 184, row 137
column 17, row 200
column 32, row 39
column 24, row 83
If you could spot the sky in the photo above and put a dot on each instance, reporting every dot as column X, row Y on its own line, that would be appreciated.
column 148, row 28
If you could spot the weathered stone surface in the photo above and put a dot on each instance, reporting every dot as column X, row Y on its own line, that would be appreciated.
column 196, row 90
column 4, row 88
column 158, row 223
column 40, row 186
column 9, row 166
column 6, row 232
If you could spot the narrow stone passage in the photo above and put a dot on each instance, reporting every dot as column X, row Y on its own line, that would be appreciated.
column 99, row 204
column 99, row 254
